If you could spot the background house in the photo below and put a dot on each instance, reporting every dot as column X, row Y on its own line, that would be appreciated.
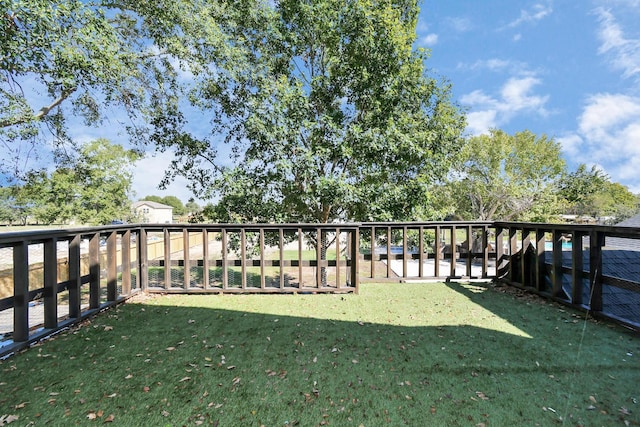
column 153, row 212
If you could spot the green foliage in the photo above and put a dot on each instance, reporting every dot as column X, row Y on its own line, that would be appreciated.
column 191, row 207
column 507, row 177
column 615, row 201
column 70, row 58
column 579, row 186
column 335, row 120
column 592, row 193
column 93, row 190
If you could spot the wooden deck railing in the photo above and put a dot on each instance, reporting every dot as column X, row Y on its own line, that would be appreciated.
column 52, row 279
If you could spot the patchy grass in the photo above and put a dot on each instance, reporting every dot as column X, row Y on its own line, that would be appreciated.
column 397, row 354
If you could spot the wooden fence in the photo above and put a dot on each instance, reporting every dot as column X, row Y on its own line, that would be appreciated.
column 56, row 278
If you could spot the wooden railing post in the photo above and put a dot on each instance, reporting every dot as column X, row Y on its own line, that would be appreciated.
column 75, row 277
column 112, row 267
column 167, row 259
column 576, row 267
column 21, row 291
column 513, row 249
column 355, row 258
column 421, row 252
column 186, row 259
column 373, row 252
column 405, row 252
column 338, row 284
column 262, row 259
column 556, row 265
column 281, row 256
column 499, row 251
column 438, row 252
column 541, row 269
column 526, row 241
column 596, row 242
column 225, row 267
column 143, row 261
column 51, row 283
column 485, row 252
column 469, row 232
column 454, row 252
column 94, row 271
column 388, row 252
column 125, row 249
column 205, row 258
column 243, row 257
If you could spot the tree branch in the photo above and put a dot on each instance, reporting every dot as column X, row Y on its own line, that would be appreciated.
column 42, row 113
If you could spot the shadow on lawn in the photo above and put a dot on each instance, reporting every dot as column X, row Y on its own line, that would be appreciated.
column 148, row 363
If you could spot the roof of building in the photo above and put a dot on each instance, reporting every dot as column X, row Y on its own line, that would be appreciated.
column 634, row 221
column 154, row 205
column 622, row 243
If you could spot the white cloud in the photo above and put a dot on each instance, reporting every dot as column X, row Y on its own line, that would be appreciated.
column 480, row 122
column 606, row 111
column 430, row 39
column 148, row 173
column 571, row 145
column 609, row 134
column 498, row 65
column 514, row 97
column 516, row 93
column 536, row 13
column 624, row 52
column 460, row 25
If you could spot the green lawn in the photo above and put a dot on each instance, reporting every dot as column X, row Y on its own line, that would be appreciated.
column 396, row 354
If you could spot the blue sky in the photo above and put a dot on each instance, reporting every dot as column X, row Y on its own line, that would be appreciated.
column 569, row 69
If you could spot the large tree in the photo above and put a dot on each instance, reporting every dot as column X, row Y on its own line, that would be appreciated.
column 337, row 119
column 94, row 190
column 579, row 188
column 65, row 62
column 506, row 177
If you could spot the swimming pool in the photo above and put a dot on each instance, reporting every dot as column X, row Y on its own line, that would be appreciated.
column 566, row 246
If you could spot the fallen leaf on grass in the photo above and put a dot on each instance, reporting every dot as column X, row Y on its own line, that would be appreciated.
column 20, row 406
column 624, row 411
column 481, row 395
column 109, row 419
column 8, row 419
column 170, row 348
column 593, row 399
column 185, row 379
column 236, row 381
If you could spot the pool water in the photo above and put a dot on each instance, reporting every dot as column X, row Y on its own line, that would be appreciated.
column 566, row 246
